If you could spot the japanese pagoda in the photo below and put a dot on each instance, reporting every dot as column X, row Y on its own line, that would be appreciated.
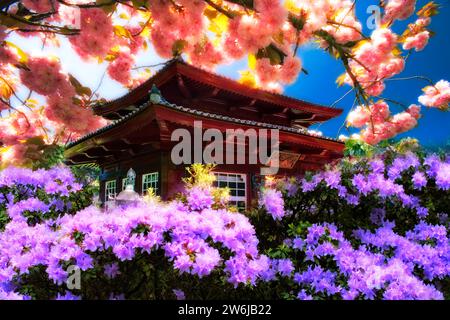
column 139, row 137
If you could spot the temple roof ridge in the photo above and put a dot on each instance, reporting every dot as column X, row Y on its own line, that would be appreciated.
column 178, row 66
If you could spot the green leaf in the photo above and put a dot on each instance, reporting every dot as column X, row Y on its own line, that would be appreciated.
column 139, row 3
column 79, row 88
column 244, row 3
column 297, row 22
column 178, row 46
column 39, row 141
column 275, row 55
column 357, row 148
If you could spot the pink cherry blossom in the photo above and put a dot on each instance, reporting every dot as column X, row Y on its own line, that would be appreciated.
column 290, row 69
column 437, row 96
column 399, row 9
column 265, row 71
column 43, row 75
column 358, row 117
column 120, row 68
column 41, row 6
column 96, row 37
column 379, row 124
column 417, row 42
column 375, row 61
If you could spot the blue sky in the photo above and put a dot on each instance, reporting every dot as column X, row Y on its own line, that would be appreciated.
column 319, row 85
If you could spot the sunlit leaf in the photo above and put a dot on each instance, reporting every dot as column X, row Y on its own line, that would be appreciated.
column 396, row 52
column 291, row 6
column 428, row 10
column 252, row 61
column 124, row 16
column 247, row 78
column 5, row 89
column 23, row 57
column 210, row 13
column 122, row 32
column 341, row 79
column 219, row 24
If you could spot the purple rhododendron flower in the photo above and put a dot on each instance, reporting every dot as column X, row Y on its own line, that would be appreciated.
column 179, row 294
column 199, row 198
column 112, row 270
column 419, row 180
column 273, row 201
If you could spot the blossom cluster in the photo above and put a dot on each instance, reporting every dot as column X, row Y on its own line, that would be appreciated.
column 61, row 115
column 437, row 95
column 186, row 236
column 400, row 182
column 386, row 180
column 417, row 35
column 375, row 60
column 373, row 249
column 272, row 201
column 383, row 266
column 44, row 76
column 33, row 196
column 379, row 124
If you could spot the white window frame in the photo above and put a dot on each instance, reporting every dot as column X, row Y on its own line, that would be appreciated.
column 152, row 183
column 110, row 190
column 234, row 199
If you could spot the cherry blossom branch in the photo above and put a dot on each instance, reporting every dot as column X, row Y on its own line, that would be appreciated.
column 403, row 105
column 98, row 86
column 412, row 78
column 220, row 9
column 89, row 5
column 152, row 66
column 102, row 4
column 341, row 98
column 16, row 110
column 12, row 90
column 347, row 26
column 4, row 16
column 345, row 120
column 344, row 57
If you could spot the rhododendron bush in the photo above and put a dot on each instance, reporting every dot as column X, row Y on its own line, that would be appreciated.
column 372, row 228
column 206, row 33
column 145, row 250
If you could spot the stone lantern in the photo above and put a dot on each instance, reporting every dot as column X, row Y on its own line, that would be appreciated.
column 128, row 196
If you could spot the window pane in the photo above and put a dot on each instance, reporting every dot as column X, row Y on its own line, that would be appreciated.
column 150, row 180
column 237, row 185
column 110, row 189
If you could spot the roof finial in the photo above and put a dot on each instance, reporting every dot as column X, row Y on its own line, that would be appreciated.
column 155, row 95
